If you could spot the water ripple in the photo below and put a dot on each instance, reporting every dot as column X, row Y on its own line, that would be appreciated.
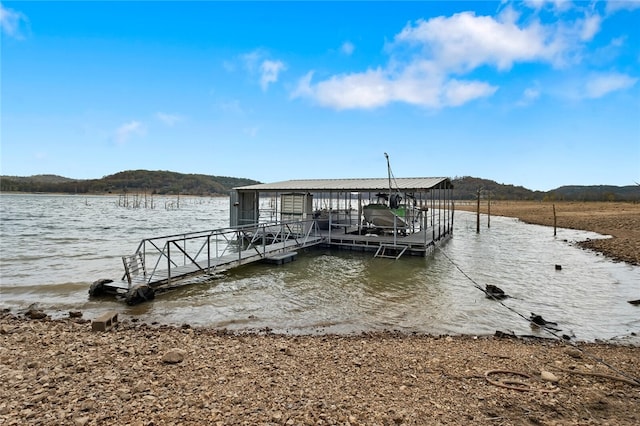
column 53, row 247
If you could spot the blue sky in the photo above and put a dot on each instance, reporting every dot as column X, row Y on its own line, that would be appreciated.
column 536, row 93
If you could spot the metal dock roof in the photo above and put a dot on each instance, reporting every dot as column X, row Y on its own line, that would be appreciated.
column 367, row 184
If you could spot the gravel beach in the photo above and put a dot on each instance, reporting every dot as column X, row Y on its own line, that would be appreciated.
column 61, row 372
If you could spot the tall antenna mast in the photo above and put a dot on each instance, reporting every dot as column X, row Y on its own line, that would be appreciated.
column 388, row 171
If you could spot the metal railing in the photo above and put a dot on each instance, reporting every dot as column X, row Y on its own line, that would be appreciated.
column 204, row 252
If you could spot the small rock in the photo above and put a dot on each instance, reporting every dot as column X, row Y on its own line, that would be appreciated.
column 548, row 377
column 173, row 356
column 574, row 353
column 75, row 314
column 123, row 394
column 81, row 421
column 140, row 387
column 87, row 405
column 35, row 314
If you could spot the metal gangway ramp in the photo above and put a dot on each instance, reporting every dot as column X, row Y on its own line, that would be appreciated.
column 162, row 262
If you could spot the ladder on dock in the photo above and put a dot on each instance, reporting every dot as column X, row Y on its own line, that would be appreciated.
column 396, row 250
column 164, row 261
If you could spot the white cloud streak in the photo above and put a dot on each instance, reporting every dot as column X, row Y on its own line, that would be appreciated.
column 269, row 71
column 169, row 119
column 257, row 64
column 12, row 22
column 127, row 130
column 614, row 6
column 602, row 84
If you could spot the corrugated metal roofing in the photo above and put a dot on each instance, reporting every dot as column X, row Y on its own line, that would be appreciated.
column 373, row 184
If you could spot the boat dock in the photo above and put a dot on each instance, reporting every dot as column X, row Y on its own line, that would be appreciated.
column 272, row 222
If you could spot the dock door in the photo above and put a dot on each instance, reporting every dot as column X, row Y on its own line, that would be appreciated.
column 244, row 209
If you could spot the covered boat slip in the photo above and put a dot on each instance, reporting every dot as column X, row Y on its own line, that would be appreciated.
column 269, row 222
column 408, row 216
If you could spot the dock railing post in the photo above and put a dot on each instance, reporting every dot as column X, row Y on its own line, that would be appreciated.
column 168, row 263
column 395, row 229
column 209, row 253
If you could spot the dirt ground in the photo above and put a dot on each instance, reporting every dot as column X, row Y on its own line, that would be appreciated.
column 60, row 372
column 620, row 220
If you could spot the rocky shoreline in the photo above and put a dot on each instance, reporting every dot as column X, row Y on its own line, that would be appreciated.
column 62, row 372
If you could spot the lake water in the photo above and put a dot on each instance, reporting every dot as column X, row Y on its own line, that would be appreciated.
column 54, row 246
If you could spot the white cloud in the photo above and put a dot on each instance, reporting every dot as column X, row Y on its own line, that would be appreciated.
column 465, row 41
column 458, row 93
column 434, row 63
column 618, row 5
column 590, row 27
column 252, row 59
column 258, row 64
column 529, row 95
column 169, row 119
column 360, row 90
column 269, row 71
column 347, row 48
column 602, row 84
column 377, row 88
column 12, row 22
column 127, row 130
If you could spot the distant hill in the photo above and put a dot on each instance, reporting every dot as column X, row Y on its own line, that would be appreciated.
column 38, row 178
column 165, row 182
column 598, row 193
column 132, row 181
column 466, row 188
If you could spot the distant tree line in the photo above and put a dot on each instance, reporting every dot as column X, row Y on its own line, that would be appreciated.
column 466, row 188
column 152, row 182
column 172, row 183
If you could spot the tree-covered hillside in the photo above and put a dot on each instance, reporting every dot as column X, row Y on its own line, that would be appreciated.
column 466, row 188
column 152, row 182
column 171, row 183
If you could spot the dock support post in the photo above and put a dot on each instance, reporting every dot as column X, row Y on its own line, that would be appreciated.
column 478, row 213
column 489, row 210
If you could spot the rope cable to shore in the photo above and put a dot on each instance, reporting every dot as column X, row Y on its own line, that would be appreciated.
column 631, row 379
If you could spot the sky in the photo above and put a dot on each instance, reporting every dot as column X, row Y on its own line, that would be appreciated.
column 533, row 93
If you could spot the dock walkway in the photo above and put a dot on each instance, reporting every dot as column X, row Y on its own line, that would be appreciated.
column 165, row 262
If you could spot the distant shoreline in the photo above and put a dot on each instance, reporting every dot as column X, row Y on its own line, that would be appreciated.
column 101, row 194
